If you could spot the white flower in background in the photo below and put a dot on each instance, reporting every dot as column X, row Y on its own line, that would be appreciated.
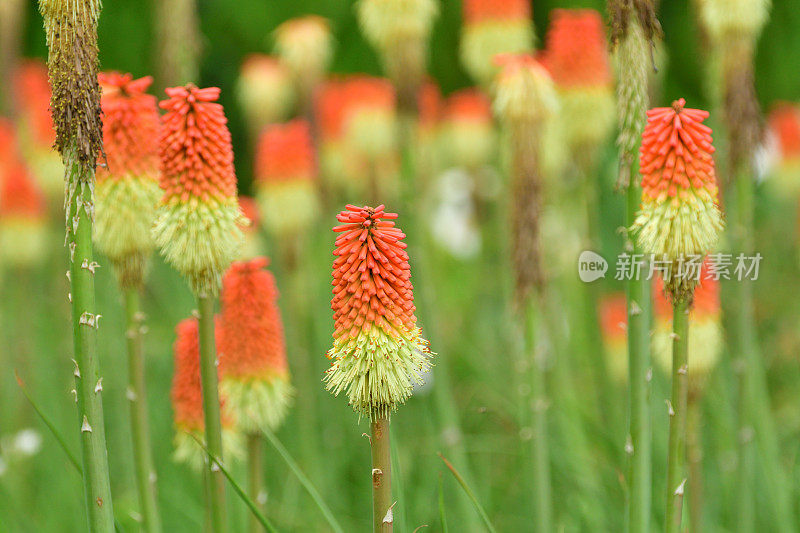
column 453, row 224
column 27, row 442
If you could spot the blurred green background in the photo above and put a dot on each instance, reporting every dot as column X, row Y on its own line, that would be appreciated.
column 470, row 411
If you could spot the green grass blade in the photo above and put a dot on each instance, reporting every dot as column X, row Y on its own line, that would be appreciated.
column 469, row 493
column 239, row 491
column 442, row 511
column 312, row 491
column 50, row 426
column 61, row 442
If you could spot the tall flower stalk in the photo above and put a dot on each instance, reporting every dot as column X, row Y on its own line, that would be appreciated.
column 678, row 223
column 179, row 42
column 633, row 28
column 525, row 100
column 127, row 195
column 378, row 352
column 198, row 230
column 71, row 29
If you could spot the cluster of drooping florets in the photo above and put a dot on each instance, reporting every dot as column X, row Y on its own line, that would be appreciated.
column 680, row 216
column 198, row 221
column 577, row 58
column 265, row 91
column 305, row 46
column 252, row 352
column 23, row 211
column 493, row 27
column 705, row 330
column 127, row 189
column 35, row 127
column 286, row 172
column 378, row 353
column 187, row 401
column 467, row 130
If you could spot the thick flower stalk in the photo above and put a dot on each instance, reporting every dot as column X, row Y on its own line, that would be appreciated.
column 127, row 182
column 265, row 92
column 633, row 30
column 525, row 100
column 23, row 211
column 400, row 30
column 286, row 180
column 198, row 220
column 378, row 352
column 252, row 352
column 784, row 133
column 198, row 228
column 705, row 336
column 614, row 328
column 305, row 46
column 126, row 198
column 493, row 27
column 467, row 130
column 705, row 344
column 187, row 401
column 680, row 216
column 35, row 126
column 71, row 30
column 577, row 58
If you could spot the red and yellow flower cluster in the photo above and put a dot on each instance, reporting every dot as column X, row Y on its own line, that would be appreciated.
column 378, row 353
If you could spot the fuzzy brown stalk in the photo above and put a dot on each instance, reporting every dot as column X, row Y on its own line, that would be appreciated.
column 525, row 214
column 179, row 42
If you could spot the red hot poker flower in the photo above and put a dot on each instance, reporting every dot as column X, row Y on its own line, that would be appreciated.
column 576, row 54
column 255, row 374
column 679, row 216
column 196, row 154
column 371, row 274
column 285, row 153
column 198, row 223
column 130, row 125
column 252, row 344
column 378, row 352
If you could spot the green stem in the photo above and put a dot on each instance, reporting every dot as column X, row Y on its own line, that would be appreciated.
column 694, row 453
column 88, row 384
column 140, row 429
column 211, row 412
column 540, row 455
column 381, row 475
column 255, row 471
column 676, row 461
column 639, row 430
